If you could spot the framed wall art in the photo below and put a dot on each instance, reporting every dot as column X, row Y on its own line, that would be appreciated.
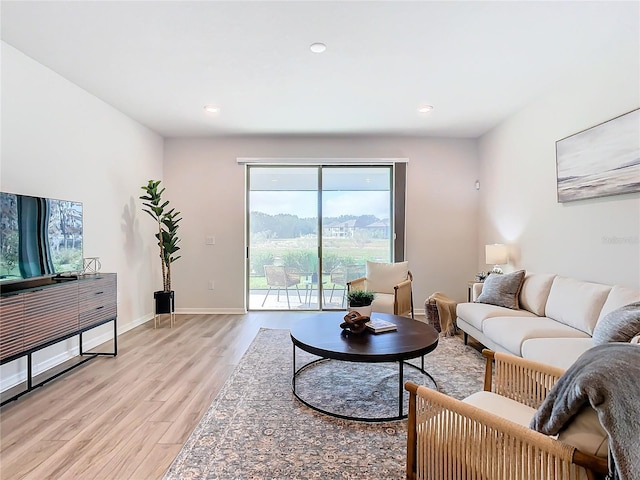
column 601, row 161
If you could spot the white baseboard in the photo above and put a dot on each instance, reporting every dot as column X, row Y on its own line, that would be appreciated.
column 45, row 364
column 210, row 311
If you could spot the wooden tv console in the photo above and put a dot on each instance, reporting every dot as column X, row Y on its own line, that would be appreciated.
column 41, row 313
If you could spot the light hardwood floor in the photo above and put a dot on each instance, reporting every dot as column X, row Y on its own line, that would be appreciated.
column 128, row 417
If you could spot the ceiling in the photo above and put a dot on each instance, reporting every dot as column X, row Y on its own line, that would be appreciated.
column 476, row 62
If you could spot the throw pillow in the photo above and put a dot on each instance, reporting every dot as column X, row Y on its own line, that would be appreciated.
column 502, row 290
column 382, row 277
column 619, row 325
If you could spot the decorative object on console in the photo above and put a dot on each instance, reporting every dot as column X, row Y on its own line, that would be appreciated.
column 502, row 290
column 600, row 161
column 92, row 265
column 496, row 254
column 167, row 221
column 354, row 322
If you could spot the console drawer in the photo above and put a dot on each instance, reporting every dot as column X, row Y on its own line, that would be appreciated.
column 50, row 313
column 97, row 300
column 11, row 325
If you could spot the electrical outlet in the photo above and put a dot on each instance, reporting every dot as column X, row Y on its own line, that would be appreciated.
column 210, row 240
column 211, row 285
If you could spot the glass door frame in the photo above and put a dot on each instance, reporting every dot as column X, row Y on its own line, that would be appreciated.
column 394, row 249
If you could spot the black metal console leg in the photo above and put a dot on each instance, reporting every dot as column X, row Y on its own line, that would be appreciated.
column 466, row 338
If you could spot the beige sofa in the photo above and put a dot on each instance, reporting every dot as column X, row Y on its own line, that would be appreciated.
column 555, row 322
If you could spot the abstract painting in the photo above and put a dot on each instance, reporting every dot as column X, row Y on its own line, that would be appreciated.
column 600, row 161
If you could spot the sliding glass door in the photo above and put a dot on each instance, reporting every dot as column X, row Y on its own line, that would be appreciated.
column 311, row 229
column 356, row 225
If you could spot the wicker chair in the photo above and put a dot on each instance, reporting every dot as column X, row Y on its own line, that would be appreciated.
column 280, row 277
column 340, row 276
column 449, row 439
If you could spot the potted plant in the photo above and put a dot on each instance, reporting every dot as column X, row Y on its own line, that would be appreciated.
column 167, row 220
column 360, row 301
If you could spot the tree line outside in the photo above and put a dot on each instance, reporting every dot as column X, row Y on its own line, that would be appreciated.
column 288, row 240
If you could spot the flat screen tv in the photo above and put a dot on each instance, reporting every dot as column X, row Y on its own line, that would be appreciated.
column 39, row 237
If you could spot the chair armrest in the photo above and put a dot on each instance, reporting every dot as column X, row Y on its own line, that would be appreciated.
column 525, row 381
column 402, row 300
column 357, row 284
column 450, row 439
column 405, row 285
column 292, row 274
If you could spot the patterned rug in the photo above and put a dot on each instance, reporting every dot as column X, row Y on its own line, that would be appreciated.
column 256, row 429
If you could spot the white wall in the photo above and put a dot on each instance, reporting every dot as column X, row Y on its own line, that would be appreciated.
column 59, row 141
column 595, row 239
column 206, row 184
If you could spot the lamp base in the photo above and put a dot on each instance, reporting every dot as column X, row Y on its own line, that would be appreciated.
column 497, row 269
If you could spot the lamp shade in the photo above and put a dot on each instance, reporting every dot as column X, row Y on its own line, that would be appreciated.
column 496, row 254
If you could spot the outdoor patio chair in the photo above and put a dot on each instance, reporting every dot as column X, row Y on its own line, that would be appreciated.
column 281, row 277
column 340, row 276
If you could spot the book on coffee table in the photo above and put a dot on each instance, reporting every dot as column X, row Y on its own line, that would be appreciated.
column 377, row 325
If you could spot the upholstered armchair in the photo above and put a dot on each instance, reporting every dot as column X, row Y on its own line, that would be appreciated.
column 487, row 435
column 391, row 283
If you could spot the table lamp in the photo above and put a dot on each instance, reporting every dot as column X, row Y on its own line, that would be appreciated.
column 497, row 255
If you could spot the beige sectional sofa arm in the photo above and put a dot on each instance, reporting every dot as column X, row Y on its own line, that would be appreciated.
column 476, row 289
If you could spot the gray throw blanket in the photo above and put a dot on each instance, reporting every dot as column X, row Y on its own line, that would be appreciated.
column 608, row 377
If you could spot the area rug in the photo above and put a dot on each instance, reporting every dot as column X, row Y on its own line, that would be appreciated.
column 256, row 429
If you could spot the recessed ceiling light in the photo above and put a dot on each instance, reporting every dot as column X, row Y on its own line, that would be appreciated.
column 425, row 109
column 211, row 109
column 318, row 47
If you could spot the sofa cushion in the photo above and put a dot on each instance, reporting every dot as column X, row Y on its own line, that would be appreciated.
column 502, row 290
column 383, row 302
column 585, row 432
column 382, row 277
column 476, row 313
column 620, row 325
column 535, row 291
column 502, row 406
column 511, row 332
column 576, row 303
column 559, row 352
column 618, row 297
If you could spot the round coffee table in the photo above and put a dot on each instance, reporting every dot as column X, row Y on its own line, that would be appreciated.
column 321, row 335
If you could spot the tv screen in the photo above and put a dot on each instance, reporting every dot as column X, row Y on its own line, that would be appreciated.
column 39, row 237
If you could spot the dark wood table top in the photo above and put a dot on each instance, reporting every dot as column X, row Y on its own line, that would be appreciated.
column 321, row 335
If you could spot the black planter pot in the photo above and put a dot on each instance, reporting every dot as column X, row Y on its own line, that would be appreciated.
column 165, row 302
